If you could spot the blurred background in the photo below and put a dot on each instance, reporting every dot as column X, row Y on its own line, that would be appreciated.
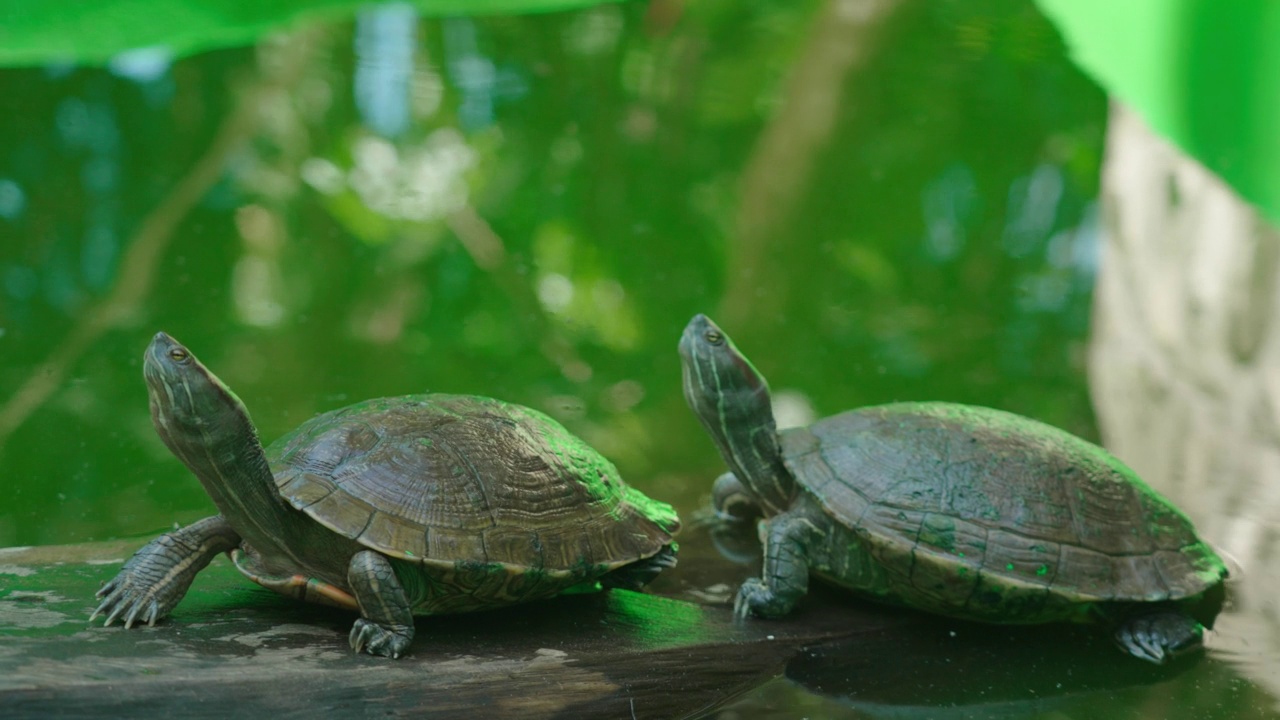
column 531, row 208
column 878, row 199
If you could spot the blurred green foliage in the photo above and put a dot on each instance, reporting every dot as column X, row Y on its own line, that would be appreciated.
column 531, row 207
column 1201, row 73
column 96, row 31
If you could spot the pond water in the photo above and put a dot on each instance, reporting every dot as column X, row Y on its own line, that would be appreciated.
column 880, row 201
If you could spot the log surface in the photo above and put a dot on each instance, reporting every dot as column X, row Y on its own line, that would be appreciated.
column 233, row 648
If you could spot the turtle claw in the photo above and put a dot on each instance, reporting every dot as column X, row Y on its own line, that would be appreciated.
column 111, row 606
column 133, row 596
column 389, row 641
column 755, row 597
column 153, row 609
column 752, row 594
column 98, row 611
column 1160, row 637
column 128, row 609
column 110, row 590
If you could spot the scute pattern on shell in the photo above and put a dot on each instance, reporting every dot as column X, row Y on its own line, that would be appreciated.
column 982, row 506
column 445, row 478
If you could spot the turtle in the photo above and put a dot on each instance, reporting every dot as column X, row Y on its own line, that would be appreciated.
column 963, row 511
column 433, row 503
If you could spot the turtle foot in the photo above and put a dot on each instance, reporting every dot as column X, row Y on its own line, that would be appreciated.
column 1160, row 637
column 149, row 585
column 638, row 574
column 755, row 598
column 387, row 640
column 125, row 599
column 154, row 580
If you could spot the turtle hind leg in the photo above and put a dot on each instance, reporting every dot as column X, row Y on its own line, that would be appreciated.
column 642, row 572
column 1160, row 635
column 385, row 626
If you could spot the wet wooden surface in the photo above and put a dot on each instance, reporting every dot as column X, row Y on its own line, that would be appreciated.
column 234, row 649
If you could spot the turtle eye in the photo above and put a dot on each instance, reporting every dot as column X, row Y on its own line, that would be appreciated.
column 179, row 355
column 714, row 337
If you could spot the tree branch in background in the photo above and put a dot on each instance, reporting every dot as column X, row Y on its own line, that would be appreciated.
column 489, row 253
column 777, row 174
column 142, row 257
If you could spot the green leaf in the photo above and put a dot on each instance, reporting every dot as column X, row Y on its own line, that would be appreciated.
column 92, row 31
column 1201, row 73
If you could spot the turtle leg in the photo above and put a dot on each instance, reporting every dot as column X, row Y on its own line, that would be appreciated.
column 786, row 568
column 732, row 501
column 154, row 580
column 641, row 572
column 1160, row 636
column 385, row 626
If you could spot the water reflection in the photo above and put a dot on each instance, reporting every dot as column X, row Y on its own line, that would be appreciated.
column 956, row 670
column 384, row 44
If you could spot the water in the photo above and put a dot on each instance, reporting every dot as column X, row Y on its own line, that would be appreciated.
column 887, row 205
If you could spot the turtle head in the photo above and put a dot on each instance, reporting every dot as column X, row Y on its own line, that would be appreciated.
column 731, row 398
column 719, row 381
column 206, row 426
column 189, row 404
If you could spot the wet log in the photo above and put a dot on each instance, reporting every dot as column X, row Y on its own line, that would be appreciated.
column 232, row 648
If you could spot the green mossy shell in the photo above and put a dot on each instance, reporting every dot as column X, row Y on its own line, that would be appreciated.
column 447, row 479
column 968, row 507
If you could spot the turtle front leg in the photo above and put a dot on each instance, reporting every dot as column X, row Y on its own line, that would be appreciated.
column 158, row 575
column 786, row 569
column 732, row 501
column 385, row 626
column 1160, row 636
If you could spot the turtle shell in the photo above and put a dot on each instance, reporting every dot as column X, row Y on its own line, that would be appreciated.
column 962, row 503
column 439, row 479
